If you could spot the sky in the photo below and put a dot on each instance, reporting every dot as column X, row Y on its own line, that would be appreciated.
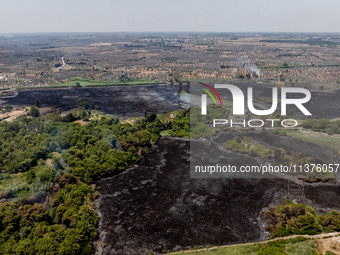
column 37, row 16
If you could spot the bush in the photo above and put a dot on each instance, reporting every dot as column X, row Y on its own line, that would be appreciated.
column 330, row 131
column 290, row 219
column 279, row 132
column 332, row 220
column 322, row 125
column 82, row 115
column 30, row 175
column 34, row 112
column 30, row 229
column 330, row 253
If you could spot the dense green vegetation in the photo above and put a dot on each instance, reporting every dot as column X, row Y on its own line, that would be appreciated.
column 291, row 246
column 33, row 112
column 290, row 219
column 56, row 155
column 323, row 125
column 180, row 125
column 192, row 123
column 96, row 145
column 66, row 227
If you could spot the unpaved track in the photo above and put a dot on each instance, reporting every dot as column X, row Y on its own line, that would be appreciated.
column 60, row 67
column 324, row 244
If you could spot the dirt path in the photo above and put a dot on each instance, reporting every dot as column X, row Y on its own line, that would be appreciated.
column 332, row 243
column 60, row 67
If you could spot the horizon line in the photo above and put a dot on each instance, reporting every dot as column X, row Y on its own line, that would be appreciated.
column 164, row 32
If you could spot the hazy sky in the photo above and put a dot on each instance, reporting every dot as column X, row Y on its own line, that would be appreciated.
column 18, row 16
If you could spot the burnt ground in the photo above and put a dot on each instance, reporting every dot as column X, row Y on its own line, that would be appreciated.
column 267, row 138
column 129, row 100
column 157, row 206
column 211, row 152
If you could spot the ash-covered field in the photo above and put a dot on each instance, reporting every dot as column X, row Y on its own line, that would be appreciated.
column 125, row 101
column 157, row 206
column 132, row 100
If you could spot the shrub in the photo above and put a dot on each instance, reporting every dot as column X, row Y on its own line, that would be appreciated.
column 290, row 219
column 34, row 112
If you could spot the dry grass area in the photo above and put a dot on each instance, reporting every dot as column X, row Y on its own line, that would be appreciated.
column 326, row 242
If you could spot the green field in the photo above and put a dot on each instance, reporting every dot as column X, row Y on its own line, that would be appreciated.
column 332, row 141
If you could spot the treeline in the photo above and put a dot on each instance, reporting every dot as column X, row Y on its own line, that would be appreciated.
column 90, row 151
column 323, row 125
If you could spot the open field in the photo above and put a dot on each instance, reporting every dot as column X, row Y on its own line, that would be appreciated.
column 330, row 141
column 304, row 60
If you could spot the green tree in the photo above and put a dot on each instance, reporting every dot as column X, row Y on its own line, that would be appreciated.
column 34, row 112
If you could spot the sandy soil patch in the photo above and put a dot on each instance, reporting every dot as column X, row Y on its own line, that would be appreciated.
column 330, row 244
column 48, row 162
column 12, row 115
column 82, row 122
